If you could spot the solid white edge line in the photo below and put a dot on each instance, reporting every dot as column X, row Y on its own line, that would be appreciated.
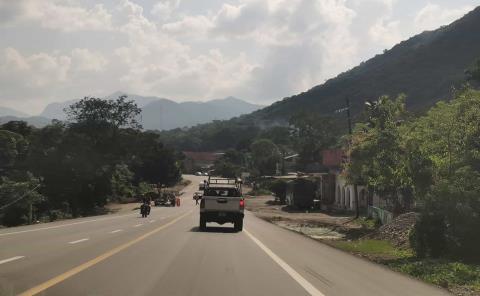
column 287, row 268
column 115, row 231
column 11, row 259
column 79, row 241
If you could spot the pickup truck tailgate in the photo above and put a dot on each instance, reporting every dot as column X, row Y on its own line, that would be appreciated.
column 222, row 204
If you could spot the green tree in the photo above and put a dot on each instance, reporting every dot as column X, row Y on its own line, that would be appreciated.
column 13, row 151
column 377, row 154
column 18, row 127
column 230, row 165
column 121, row 182
column 18, row 200
column 153, row 162
column 118, row 113
column 8, row 150
column 449, row 134
column 265, row 156
column 311, row 134
column 473, row 73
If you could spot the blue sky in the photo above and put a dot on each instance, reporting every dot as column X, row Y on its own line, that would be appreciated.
column 258, row 50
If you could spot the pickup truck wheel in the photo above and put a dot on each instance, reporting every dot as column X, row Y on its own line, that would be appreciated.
column 203, row 223
column 238, row 225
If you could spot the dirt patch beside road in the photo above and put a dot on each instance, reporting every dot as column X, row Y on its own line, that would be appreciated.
column 314, row 224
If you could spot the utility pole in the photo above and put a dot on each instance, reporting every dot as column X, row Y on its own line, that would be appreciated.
column 30, row 213
column 355, row 187
column 350, row 132
column 349, row 118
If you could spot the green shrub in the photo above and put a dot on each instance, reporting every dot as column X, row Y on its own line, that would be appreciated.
column 428, row 236
column 443, row 273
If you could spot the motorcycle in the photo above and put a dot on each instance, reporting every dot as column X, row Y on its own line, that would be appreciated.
column 145, row 210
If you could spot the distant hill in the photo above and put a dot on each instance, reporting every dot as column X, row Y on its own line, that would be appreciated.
column 4, row 111
column 425, row 68
column 163, row 114
column 37, row 121
column 56, row 110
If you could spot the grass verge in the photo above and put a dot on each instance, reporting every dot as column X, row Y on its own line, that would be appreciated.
column 375, row 249
column 460, row 278
column 448, row 274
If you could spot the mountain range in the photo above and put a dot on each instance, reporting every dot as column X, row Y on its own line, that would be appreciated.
column 157, row 113
column 425, row 68
column 4, row 111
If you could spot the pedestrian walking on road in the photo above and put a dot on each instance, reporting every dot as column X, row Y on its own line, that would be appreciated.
column 196, row 199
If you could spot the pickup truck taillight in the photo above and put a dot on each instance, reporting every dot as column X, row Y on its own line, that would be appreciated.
column 242, row 203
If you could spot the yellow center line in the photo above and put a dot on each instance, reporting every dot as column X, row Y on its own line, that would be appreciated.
column 62, row 277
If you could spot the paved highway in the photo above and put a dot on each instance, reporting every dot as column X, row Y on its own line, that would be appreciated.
column 165, row 254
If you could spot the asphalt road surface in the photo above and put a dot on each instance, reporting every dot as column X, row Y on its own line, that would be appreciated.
column 165, row 254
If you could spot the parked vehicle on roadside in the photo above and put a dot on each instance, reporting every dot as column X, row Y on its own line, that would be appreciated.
column 301, row 193
column 166, row 198
column 222, row 202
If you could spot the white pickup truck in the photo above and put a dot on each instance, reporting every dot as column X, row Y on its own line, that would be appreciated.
column 222, row 202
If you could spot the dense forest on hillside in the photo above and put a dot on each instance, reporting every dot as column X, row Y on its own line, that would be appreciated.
column 73, row 169
column 425, row 68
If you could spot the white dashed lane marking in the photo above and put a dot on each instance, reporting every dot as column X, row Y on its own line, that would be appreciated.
column 64, row 225
column 115, row 231
column 79, row 241
column 11, row 259
column 138, row 225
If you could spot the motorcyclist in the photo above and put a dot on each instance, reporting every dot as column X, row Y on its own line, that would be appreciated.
column 143, row 210
column 148, row 208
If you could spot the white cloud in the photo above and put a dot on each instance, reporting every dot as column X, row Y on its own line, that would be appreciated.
column 305, row 41
column 433, row 16
column 189, row 25
column 34, row 71
column 385, row 32
column 242, row 19
column 260, row 50
column 56, row 15
column 164, row 9
column 85, row 60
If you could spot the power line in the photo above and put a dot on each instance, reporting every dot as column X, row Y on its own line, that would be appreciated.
column 18, row 199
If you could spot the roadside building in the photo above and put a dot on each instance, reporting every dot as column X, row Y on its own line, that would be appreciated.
column 335, row 191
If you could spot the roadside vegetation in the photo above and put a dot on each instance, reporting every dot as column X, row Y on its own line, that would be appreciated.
column 427, row 163
column 73, row 168
column 459, row 277
column 432, row 160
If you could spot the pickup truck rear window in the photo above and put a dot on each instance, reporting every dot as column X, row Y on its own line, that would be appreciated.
column 231, row 192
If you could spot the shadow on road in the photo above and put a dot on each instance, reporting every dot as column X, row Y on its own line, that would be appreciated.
column 214, row 229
